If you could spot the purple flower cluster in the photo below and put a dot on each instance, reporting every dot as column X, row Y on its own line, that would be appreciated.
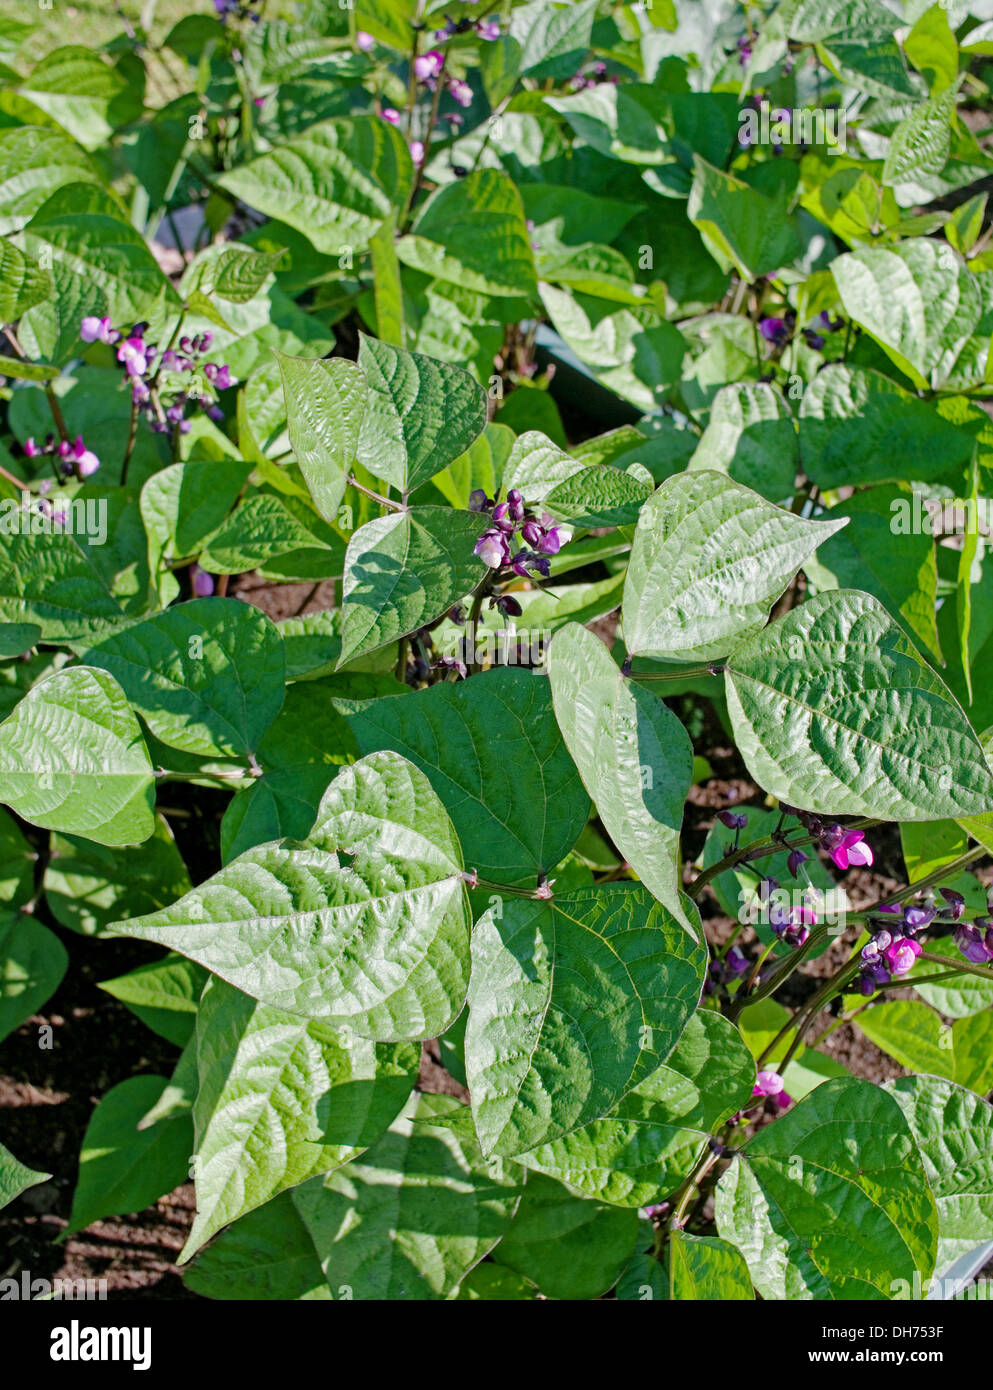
column 779, row 331
column 238, row 9
column 74, row 457
column 726, row 971
column 597, row 76
column 143, row 366
column 791, row 922
column 770, row 1086
column 544, row 536
column 974, row 940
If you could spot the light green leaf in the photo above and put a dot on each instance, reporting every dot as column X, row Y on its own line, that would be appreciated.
column 750, row 436
column 72, row 758
column 953, row 1129
column 404, row 570
column 336, row 183
column 571, row 1003
column 419, row 414
column 164, row 995
column 633, row 754
column 282, row 1099
column 47, row 579
column 473, row 233
column 35, row 160
column 325, row 402
column 282, row 536
column 553, row 38
column 916, row 299
column 23, row 283
column 921, row 141
column 364, row 923
column 916, row 1036
column 833, row 710
column 410, row 1218
column 703, row 1268
column 464, row 737
column 15, row 1178
column 831, row 1201
column 709, row 560
column 32, row 962
column 649, row 1142
column 740, row 226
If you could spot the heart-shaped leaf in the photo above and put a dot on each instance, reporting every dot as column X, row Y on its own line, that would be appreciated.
column 325, row 402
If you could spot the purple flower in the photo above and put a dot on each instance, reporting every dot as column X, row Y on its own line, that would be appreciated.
column 736, row 961
column 417, row 152
column 971, row 944
column 460, row 91
column 363, row 41
column 768, row 1083
column 734, row 820
column 503, row 519
column 955, row 901
column 171, row 361
column 203, row 582
column 901, row 954
column 774, row 330
column 827, row 323
column 96, row 330
column 507, row 605
column 392, row 115
column 812, row 339
column 915, row 918
column 478, row 501
column 515, row 501
column 851, row 849
column 553, row 538
column 796, row 858
column 31, row 449
column 428, row 65
column 219, row 377
column 134, row 354
column 532, row 533
column 488, row 29
column 492, row 549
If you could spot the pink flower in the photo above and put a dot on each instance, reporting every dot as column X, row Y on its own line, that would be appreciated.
column 768, row 1083
column 31, row 449
column 87, row 463
column 392, row 115
column 461, row 91
column 203, row 582
column 364, row 41
column 97, row 330
column 133, row 352
column 901, row 954
column 428, row 65
column 851, row 850
column 417, row 152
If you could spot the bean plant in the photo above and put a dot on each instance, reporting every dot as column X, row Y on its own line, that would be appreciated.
column 611, row 384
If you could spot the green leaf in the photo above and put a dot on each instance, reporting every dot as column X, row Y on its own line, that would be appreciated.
column 705, row 1268
column 336, row 183
column 491, row 1284
column 26, row 371
column 325, row 402
column 572, row 1248
column 72, row 758
column 379, row 943
column 916, row 1036
column 464, row 737
column 35, row 160
column 571, row 1003
column 99, row 265
column 932, row 49
column 740, row 226
column 387, row 285
column 916, row 299
column 15, row 1178
column 953, row 1130
column 80, row 90
column 481, row 466
column 238, row 273
column 410, row 1218
column 404, row 570
column 857, row 427
column 921, row 141
column 553, row 38
column 32, row 962
column 164, row 995
column 282, row 536
column 649, row 1142
column 473, row 233
column 709, row 560
column 419, row 414
column 750, row 436
column 123, row 1168
column 633, row 754
column 298, row 754
column 282, row 1099
column 23, row 283
column 833, row 710
column 892, row 561
column 268, row 1255
column 205, row 676
column 17, row 861
column 832, row 1201
column 48, row 580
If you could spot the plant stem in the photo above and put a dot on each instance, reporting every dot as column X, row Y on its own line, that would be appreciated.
column 687, row 673
column 376, row 496
column 912, row 889
column 759, row 850
column 18, row 482
column 964, row 967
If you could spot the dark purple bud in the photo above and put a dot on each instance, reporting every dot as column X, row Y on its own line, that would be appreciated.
column 734, row 820
column 736, row 961
column 457, row 615
column 532, row 533
column 478, row 500
column 796, row 858
column 515, row 502
column 917, row 917
column 507, row 605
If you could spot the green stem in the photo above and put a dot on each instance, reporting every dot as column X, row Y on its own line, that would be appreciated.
column 376, row 496
column 964, row 967
column 912, row 889
column 759, row 850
